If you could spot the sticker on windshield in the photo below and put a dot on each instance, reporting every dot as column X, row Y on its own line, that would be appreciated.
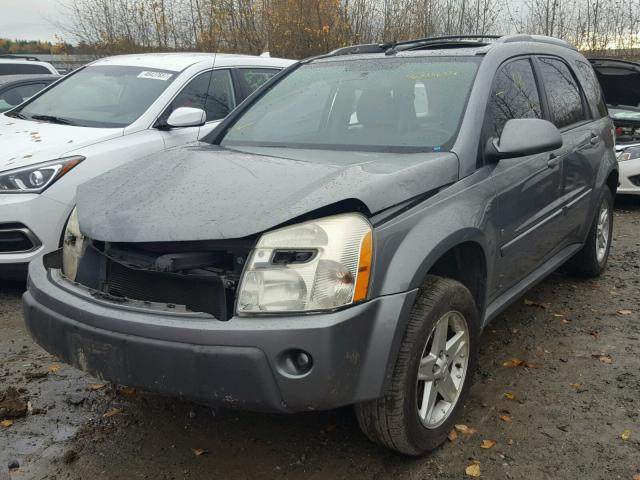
column 155, row 75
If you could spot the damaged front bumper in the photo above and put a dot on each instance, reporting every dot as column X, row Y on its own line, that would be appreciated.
column 242, row 362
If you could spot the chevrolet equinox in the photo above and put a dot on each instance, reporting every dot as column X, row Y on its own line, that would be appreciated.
column 343, row 237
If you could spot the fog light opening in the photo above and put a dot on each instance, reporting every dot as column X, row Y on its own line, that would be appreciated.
column 295, row 363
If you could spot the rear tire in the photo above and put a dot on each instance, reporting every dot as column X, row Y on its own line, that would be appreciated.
column 591, row 260
column 402, row 420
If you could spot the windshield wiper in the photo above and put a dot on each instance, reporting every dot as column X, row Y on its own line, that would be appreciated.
column 52, row 119
column 16, row 115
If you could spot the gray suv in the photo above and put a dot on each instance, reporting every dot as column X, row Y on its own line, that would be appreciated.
column 344, row 237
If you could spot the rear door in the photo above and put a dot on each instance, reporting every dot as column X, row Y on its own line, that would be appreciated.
column 527, row 188
column 583, row 144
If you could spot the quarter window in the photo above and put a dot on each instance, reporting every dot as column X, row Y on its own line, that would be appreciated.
column 563, row 93
column 592, row 89
column 514, row 94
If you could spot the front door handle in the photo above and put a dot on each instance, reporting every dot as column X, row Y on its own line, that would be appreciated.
column 553, row 161
column 595, row 139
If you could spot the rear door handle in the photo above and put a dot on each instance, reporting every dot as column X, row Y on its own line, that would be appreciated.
column 553, row 161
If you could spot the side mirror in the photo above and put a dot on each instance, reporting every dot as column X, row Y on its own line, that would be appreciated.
column 524, row 136
column 186, row 117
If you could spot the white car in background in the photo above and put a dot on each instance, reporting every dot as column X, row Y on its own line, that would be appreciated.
column 100, row 116
column 24, row 65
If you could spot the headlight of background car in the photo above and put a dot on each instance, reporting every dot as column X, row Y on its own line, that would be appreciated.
column 316, row 265
column 630, row 153
column 36, row 178
column 73, row 247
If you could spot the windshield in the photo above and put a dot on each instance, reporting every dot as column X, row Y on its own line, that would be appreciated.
column 99, row 96
column 388, row 104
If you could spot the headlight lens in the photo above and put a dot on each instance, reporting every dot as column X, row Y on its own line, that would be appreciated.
column 316, row 265
column 36, row 178
column 73, row 247
column 630, row 153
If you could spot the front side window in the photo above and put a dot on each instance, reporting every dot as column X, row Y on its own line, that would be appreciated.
column 514, row 94
column 105, row 96
column 16, row 95
column 377, row 104
column 563, row 93
column 211, row 91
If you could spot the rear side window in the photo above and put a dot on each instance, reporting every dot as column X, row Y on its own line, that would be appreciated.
column 514, row 94
column 253, row 78
column 592, row 89
column 563, row 93
column 21, row 68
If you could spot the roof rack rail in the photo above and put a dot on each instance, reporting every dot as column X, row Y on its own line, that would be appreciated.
column 536, row 39
column 21, row 57
column 447, row 41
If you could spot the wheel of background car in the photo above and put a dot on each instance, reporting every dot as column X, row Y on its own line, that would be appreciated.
column 432, row 374
column 591, row 260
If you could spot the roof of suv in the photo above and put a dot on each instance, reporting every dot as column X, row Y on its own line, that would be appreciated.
column 460, row 45
column 180, row 61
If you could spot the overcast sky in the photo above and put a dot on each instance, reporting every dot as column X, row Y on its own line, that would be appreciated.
column 31, row 19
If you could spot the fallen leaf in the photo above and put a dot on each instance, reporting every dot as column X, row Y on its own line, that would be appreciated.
column 558, row 315
column 199, row 451
column 473, row 470
column 594, row 334
column 6, row 423
column 603, row 357
column 95, row 386
column 487, row 444
column 626, row 435
column 129, row 391
column 510, row 441
column 575, row 385
column 624, row 312
column 564, row 320
column 533, row 365
column 331, row 428
column 533, row 303
column 512, row 363
column 505, row 418
column 509, row 396
column 636, row 476
column 112, row 412
column 452, row 435
column 466, row 430
column 54, row 368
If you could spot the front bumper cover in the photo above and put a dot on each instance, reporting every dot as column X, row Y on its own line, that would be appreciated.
column 234, row 363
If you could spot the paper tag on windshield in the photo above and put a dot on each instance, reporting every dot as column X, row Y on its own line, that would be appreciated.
column 155, row 75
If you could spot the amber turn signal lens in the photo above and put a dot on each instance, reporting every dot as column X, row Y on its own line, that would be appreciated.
column 364, row 268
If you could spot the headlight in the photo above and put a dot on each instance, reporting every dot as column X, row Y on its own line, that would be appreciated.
column 73, row 247
column 316, row 265
column 36, row 178
column 630, row 153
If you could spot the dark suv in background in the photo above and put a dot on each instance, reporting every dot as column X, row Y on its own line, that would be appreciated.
column 344, row 236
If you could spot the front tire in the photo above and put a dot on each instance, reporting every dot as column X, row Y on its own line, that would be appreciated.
column 591, row 260
column 433, row 372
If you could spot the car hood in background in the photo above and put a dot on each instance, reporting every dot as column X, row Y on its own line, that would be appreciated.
column 27, row 142
column 204, row 192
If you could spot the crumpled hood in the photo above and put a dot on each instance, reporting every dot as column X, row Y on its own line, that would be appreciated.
column 27, row 142
column 204, row 192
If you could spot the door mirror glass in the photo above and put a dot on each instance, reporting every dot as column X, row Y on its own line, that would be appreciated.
column 186, row 117
column 524, row 136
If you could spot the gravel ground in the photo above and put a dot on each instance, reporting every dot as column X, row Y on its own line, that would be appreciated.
column 570, row 410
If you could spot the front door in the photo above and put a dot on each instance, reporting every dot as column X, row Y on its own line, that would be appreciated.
column 528, row 189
